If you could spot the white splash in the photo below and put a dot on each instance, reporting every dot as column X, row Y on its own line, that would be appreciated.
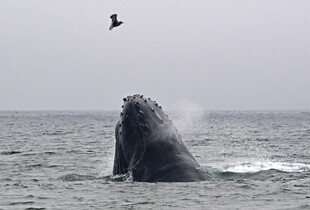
column 106, row 167
column 252, row 167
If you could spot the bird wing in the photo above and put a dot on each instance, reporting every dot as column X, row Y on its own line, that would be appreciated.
column 114, row 17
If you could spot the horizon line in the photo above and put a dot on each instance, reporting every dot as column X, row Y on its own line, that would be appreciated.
column 185, row 110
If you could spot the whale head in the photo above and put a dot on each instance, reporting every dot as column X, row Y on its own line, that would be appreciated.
column 141, row 121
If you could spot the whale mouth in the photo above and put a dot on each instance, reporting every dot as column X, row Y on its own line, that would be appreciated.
column 139, row 136
column 128, row 160
column 131, row 132
column 139, row 120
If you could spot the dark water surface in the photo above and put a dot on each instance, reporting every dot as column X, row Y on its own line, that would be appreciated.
column 63, row 160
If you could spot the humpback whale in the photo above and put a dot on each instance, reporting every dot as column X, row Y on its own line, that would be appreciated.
column 150, row 148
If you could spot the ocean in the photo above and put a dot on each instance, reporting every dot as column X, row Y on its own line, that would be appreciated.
column 64, row 160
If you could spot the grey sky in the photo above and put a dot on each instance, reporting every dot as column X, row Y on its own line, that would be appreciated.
column 215, row 54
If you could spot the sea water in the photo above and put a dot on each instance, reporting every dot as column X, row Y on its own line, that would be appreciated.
column 64, row 160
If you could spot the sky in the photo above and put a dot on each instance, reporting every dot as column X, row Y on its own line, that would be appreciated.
column 215, row 55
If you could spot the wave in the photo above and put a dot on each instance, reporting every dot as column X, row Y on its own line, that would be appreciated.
column 260, row 170
column 76, row 177
column 252, row 167
column 13, row 152
column 260, row 175
column 114, row 178
column 57, row 133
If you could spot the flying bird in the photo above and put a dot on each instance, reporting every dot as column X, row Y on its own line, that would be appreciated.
column 115, row 22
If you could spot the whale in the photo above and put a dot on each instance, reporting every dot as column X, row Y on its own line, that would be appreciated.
column 149, row 147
